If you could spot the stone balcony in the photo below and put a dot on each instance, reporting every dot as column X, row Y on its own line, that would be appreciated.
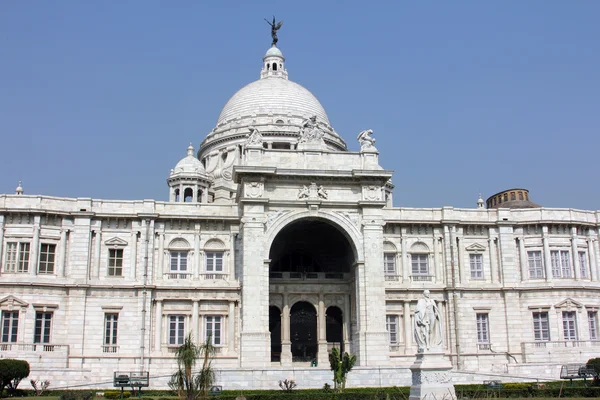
column 551, row 351
column 37, row 354
column 309, row 276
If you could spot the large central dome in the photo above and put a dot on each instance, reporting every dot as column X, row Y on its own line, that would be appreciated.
column 275, row 95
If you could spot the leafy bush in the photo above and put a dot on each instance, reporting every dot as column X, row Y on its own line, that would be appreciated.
column 11, row 374
column 116, row 394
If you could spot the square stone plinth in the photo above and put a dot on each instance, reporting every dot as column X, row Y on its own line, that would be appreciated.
column 431, row 378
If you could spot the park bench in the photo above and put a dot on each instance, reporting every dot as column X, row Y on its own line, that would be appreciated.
column 493, row 384
column 577, row 371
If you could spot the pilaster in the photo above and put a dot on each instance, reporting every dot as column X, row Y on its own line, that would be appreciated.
column 35, row 246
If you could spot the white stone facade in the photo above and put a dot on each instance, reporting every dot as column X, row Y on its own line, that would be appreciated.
column 285, row 217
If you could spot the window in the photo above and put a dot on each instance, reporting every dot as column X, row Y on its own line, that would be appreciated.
column 420, row 264
column 176, row 329
column 179, row 261
column 582, row 264
column 213, row 329
column 561, row 264
column 115, row 262
column 593, row 324
column 10, row 326
column 476, row 261
column 389, row 263
column 569, row 325
column 17, row 257
column 214, row 261
column 47, row 252
column 536, row 266
column 483, row 335
column 111, row 325
column 541, row 327
column 392, row 328
column 43, row 323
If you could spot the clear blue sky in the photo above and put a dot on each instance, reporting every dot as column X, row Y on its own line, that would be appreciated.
column 101, row 98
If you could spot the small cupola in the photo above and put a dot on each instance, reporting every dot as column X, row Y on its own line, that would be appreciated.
column 189, row 181
column 273, row 64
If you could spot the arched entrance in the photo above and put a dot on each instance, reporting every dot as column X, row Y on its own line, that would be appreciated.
column 311, row 271
column 303, row 329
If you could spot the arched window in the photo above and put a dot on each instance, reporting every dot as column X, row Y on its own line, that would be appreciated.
column 176, row 194
column 179, row 249
column 520, row 195
column 505, row 196
column 419, row 259
column 389, row 261
column 274, row 66
column 513, row 196
column 214, row 257
column 199, row 196
column 188, row 195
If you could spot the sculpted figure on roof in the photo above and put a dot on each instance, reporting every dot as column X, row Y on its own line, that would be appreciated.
column 275, row 26
column 366, row 140
column 310, row 132
column 254, row 137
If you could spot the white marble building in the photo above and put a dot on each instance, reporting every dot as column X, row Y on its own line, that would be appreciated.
column 280, row 243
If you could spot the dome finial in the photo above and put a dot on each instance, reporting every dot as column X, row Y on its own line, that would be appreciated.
column 19, row 189
column 275, row 26
column 190, row 150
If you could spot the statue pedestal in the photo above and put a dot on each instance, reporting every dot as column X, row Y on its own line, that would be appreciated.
column 431, row 377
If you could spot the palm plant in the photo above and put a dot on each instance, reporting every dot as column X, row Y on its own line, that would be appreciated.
column 190, row 386
column 340, row 365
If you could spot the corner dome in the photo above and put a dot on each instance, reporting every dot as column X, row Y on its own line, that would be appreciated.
column 274, row 52
column 272, row 96
column 189, row 164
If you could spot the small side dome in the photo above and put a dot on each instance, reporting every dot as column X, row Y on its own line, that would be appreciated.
column 511, row 198
column 274, row 52
column 189, row 164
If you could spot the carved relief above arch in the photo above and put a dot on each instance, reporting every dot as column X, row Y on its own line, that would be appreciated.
column 214, row 244
column 419, row 247
column 351, row 232
column 179, row 244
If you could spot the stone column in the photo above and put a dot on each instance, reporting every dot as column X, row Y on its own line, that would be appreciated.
column 195, row 312
column 133, row 256
column 181, row 196
column 595, row 249
column 323, row 356
column 161, row 256
column 404, row 264
column 492, row 251
column 196, row 264
column 97, row 253
column 35, row 246
column 1, row 242
column 231, row 266
column 436, row 261
column 523, row 260
column 592, row 257
column 460, row 265
column 346, row 323
column 286, row 350
column 231, row 328
column 547, row 258
column 407, row 328
column 62, row 253
column 575, row 257
column 195, row 194
column 158, row 325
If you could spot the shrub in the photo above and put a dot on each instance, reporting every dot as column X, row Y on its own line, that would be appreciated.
column 116, row 394
column 11, row 373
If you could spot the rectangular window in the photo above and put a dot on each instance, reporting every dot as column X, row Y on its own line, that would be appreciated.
column 43, row 324
column 561, row 264
column 392, row 328
column 10, row 326
column 583, row 264
column 115, row 262
column 214, row 261
column 541, row 327
column 389, row 263
column 476, row 262
column 213, row 329
column 536, row 266
column 179, row 261
column 483, row 335
column 420, row 264
column 47, row 253
column 111, row 326
column 176, row 329
column 569, row 325
column 593, row 324
column 17, row 257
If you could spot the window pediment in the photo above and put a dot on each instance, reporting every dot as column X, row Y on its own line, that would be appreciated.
column 44, row 307
column 475, row 247
column 419, row 247
column 179, row 244
column 11, row 303
column 115, row 242
column 569, row 305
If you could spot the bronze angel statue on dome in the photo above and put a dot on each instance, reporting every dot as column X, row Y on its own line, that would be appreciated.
column 274, row 28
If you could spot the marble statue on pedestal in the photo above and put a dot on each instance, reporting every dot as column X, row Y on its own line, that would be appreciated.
column 427, row 324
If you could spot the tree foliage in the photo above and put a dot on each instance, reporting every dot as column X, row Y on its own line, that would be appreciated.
column 11, row 373
column 340, row 365
column 188, row 384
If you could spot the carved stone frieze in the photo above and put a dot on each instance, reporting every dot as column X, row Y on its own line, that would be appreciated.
column 313, row 192
column 372, row 193
column 254, row 190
